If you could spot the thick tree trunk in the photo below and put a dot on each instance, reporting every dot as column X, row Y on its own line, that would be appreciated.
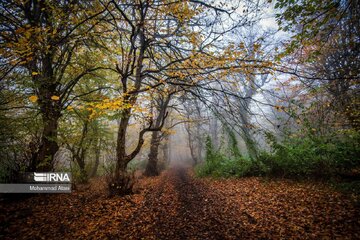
column 83, row 174
column 151, row 167
column 43, row 158
column 50, row 109
column 121, row 158
column 248, row 139
column 121, row 183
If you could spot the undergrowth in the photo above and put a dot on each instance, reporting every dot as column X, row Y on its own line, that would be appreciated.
column 322, row 157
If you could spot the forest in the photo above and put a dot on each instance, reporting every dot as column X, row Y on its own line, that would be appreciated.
column 180, row 119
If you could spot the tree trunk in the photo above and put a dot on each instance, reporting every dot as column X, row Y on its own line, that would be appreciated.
column 80, row 154
column 166, row 149
column 151, row 167
column 192, row 152
column 198, row 136
column 191, row 144
column 200, row 148
column 250, row 145
column 43, row 158
column 81, row 162
column 97, row 159
column 121, row 183
column 214, row 131
column 246, row 135
column 50, row 110
column 121, row 162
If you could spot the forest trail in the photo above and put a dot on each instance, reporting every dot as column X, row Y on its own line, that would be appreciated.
column 185, row 207
column 180, row 208
column 178, row 205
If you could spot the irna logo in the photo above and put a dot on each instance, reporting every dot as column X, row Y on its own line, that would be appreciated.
column 51, row 177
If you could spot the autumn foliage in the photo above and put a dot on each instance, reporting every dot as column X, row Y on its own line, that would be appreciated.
column 260, row 98
column 178, row 206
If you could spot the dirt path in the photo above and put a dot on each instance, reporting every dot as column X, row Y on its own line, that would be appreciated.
column 180, row 208
column 184, row 207
column 177, row 205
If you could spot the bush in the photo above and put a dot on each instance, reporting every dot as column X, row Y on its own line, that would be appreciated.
column 218, row 165
column 312, row 156
column 295, row 157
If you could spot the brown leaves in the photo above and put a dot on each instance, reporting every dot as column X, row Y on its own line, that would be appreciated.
column 85, row 213
column 178, row 206
column 286, row 210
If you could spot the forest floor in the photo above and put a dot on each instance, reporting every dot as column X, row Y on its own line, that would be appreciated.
column 177, row 205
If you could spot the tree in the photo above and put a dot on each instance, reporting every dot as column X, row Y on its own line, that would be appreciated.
column 162, row 43
column 39, row 40
column 195, row 132
column 325, row 44
column 161, row 108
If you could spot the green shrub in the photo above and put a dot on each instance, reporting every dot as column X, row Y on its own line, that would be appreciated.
column 295, row 156
column 312, row 156
column 218, row 165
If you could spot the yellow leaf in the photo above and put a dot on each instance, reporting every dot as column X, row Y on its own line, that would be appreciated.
column 55, row 98
column 34, row 73
column 33, row 98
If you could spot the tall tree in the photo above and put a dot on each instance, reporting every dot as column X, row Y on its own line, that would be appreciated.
column 161, row 109
column 40, row 39
column 159, row 42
